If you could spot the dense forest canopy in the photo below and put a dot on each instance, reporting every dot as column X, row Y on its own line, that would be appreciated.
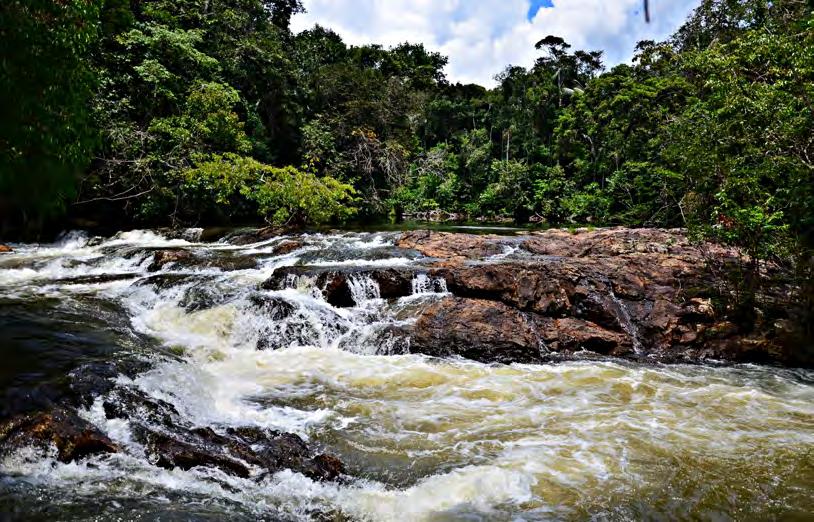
column 175, row 112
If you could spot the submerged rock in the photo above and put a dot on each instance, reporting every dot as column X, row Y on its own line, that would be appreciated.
column 72, row 436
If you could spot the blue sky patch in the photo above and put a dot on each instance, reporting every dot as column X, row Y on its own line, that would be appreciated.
column 536, row 5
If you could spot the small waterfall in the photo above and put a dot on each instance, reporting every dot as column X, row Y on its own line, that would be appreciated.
column 363, row 288
column 304, row 284
column 424, row 284
column 626, row 321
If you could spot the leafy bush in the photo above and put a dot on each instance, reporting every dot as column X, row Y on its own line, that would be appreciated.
column 281, row 196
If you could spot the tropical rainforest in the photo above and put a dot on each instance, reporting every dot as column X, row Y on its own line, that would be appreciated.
column 185, row 112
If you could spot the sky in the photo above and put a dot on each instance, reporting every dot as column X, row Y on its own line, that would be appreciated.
column 482, row 37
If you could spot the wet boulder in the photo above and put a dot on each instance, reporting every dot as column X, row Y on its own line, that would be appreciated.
column 243, row 452
column 277, row 450
column 5, row 249
column 172, row 442
column 486, row 331
column 73, row 437
column 226, row 262
column 251, row 236
column 170, row 452
column 286, row 247
column 162, row 258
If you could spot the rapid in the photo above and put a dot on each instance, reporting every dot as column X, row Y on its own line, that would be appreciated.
column 421, row 438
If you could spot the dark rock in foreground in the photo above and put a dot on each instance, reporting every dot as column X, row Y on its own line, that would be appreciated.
column 72, row 436
column 167, row 438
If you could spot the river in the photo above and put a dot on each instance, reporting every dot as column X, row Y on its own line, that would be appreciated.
column 421, row 438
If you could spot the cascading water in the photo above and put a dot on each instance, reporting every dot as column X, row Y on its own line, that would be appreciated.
column 422, row 438
column 422, row 284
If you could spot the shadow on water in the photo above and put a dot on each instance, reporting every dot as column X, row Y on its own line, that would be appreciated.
column 42, row 340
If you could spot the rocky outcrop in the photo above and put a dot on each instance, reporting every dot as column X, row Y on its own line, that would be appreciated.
column 445, row 245
column 237, row 452
column 476, row 329
column 489, row 331
column 645, row 294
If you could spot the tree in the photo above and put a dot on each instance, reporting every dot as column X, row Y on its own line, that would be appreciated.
column 45, row 83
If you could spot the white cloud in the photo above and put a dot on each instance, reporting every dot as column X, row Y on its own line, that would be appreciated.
column 482, row 37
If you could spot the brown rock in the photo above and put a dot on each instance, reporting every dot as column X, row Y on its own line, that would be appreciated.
column 490, row 331
column 5, row 249
column 286, row 247
column 444, row 245
column 257, row 235
column 225, row 262
column 573, row 335
column 73, row 437
column 163, row 258
column 477, row 329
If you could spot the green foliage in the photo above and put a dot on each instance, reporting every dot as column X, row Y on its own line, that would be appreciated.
column 281, row 196
column 45, row 84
